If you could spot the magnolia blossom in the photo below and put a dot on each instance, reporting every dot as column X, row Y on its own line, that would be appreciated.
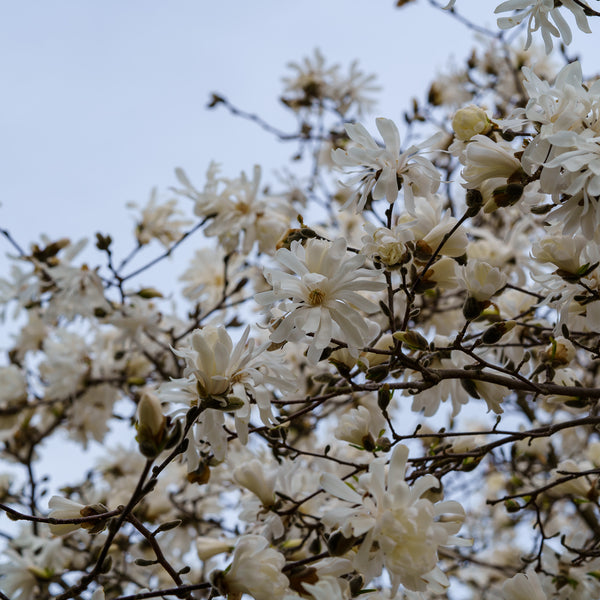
column 65, row 365
column 252, row 476
column 222, row 377
column 239, row 215
column 320, row 297
column 208, row 547
column 402, row 530
column 37, row 562
column 256, row 569
column 64, row 508
column 579, row 165
column 429, row 225
column 386, row 246
column 158, row 221
column 210, row 275
column 562, row 251
column 355, row 426
column 524, row 586
column 487, row 159
column 379, row 170
column 80, row 291
column 315, row 83
column 538, row 13
column 481, row 280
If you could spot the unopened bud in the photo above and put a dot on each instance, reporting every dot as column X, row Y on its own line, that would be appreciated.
column 472, row 308
column 469, row 121
column 338, row 545
column 474, row 201
column 150, row 414
column 495, row 332
column 151, row 425
column 413, row 339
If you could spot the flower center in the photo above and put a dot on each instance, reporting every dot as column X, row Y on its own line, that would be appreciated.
column 316, row 297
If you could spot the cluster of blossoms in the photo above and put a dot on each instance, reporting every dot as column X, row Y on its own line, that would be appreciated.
column 379, row 379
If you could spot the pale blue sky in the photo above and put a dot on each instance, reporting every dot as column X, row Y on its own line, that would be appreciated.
column 102, row 100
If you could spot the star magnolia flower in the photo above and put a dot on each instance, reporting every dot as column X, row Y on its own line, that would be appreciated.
column 158, row 222
column 240, row 215
column 64, row 508
column 481, row 280
column 222, row 377
column 380, row 169
column 256, row 570
column 402, row 530
column 486, row 159
column 320, row 296
column 577, row 167
column 523, row 586
column 539, row 12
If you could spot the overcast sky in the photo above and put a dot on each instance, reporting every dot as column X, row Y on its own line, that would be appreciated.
column 102, row 100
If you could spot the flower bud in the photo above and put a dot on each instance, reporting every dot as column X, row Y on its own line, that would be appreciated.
column 338, row 544
column 151, row 425
column 495, row 332
column 469, row 121
column 472, row 308
column 412, row 339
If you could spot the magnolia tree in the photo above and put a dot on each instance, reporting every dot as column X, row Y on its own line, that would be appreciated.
column 384, row 379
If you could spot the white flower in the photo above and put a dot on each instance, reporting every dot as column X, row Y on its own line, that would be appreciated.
column 251, row 475
column 150, row 415
column 205, row 276
column 157, row 222
column 481, row 280
column 215, row 365
column 402, row 530
column 523, row 586
column 64, row 508
column 38, row 562
column 559, row 353
column 222, row 377
column 354, row 426
column 378, row 170
column 562, row 251
column 310, row 82
column 256, row 569
column 329, row 588
column 314, row 83
column 386, row 246
column 429, row 223
column 441, row 274
column 66, row 364
column 539, row 12
column 238, row 213
column 320, row 296
column 486, row 159
column 80, row 291
column 579, row 176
